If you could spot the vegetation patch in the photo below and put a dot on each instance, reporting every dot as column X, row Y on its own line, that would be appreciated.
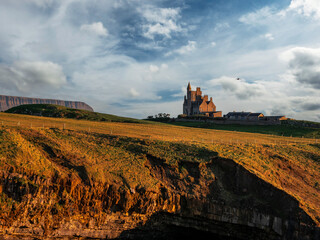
column 288, row 130
column 57, row 111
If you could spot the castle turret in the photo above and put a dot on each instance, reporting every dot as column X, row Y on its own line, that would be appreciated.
column 189, row 87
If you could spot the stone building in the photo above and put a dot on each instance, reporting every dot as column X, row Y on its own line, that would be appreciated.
column 196, row 104
column 237, row 116
column 244, row 116
column 249, row 116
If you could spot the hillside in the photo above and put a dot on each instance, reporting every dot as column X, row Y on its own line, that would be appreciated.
column 99, row 179
column 57, row 111
column 285, row 129
column 7, row 102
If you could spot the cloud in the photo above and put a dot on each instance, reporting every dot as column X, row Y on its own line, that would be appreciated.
column 258, row 17
column 279, row 110
column 153, row 68
column 213, row 44
column 134, row 93
column 32, row 76
column 221, row 26
column 190, row 47
column 269, row 36
column 305, row 103
column 40, row 3
column 242, row 90
column 308, row 8
column 160, row 21
column 310, row 106
column 95, row 28
column 304, row 65
column 164, row 66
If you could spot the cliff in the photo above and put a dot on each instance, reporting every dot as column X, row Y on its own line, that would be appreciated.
column 74, row 184
column 7, row 102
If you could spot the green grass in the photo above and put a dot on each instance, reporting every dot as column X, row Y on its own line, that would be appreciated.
column 280, row 130
column 57, row 111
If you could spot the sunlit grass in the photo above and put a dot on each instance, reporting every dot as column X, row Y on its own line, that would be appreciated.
column 117, row 152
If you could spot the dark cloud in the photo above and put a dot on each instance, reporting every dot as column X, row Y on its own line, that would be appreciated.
column 248, row 93
column 304, row 65
column 310, row 106
column 309, row 77
column 304, row 104
column 279, row 110
column 169, row 95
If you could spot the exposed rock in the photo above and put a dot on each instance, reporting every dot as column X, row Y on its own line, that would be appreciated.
column 234, row 204
column 7, row 102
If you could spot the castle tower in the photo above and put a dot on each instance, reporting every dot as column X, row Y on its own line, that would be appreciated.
column 189, row 87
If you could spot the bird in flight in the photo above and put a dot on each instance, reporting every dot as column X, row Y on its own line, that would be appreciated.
column 238, row 78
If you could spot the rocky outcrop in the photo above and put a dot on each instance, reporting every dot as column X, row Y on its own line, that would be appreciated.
column 7, row 102
column 219, row 200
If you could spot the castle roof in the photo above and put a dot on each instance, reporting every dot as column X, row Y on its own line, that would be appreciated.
column 255, row 114
column 275, row 117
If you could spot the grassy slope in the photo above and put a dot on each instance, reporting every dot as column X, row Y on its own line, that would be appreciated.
column 49, row 110
column 120, row 156
column 280, row 130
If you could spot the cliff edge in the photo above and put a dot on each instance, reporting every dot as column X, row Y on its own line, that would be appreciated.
column 7, row 102
column 66, row 184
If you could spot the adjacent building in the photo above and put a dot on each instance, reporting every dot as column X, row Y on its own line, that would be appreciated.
column 249, row 116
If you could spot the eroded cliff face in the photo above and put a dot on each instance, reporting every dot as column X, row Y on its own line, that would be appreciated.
column 7, row 102
column 217, row 199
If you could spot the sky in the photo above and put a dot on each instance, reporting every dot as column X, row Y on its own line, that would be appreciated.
column 135, row 57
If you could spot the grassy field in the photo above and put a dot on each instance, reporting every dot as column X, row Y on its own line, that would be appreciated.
column 57, row 111
column 280, row 130
column 116, row 152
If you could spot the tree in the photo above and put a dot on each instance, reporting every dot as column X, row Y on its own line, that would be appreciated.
column 162, row 115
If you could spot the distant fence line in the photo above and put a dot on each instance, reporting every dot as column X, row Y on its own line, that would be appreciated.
column 176, row 138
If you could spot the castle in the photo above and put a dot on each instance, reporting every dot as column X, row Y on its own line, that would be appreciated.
column 196, row 104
